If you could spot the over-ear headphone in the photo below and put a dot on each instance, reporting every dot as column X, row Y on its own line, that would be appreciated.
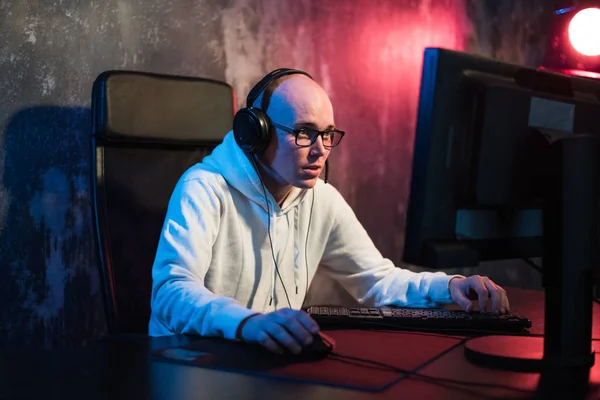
column 251, row 125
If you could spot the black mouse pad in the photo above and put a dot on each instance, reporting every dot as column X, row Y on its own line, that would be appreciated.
column 362, row 360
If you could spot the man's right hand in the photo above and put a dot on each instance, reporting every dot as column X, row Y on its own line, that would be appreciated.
column 281, row 330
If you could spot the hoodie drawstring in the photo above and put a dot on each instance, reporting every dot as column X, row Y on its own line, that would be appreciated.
column 274, row 268
column 296, row 247
column 296, row 254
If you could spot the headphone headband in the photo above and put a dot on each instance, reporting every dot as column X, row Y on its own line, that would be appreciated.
column 266, row 81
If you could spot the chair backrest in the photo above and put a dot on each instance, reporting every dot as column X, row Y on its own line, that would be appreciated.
column 147, row 130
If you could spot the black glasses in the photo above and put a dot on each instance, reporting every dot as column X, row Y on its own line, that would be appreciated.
column 305, row 137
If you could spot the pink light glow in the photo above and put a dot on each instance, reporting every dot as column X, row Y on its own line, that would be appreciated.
column 584, row 31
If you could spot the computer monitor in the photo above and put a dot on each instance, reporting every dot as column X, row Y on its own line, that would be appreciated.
column 475, row 192
column 507, row 165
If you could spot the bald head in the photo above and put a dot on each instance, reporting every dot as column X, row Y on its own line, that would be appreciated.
column 296, row 98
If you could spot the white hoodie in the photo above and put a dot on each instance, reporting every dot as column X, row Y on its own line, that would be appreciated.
column 214, row 263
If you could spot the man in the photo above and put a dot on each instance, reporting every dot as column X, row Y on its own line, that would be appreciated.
column 247, row 229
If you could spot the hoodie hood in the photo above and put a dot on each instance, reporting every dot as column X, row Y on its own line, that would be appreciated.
column 240, row 172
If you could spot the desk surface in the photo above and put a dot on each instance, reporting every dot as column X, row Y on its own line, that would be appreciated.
column 120, row 368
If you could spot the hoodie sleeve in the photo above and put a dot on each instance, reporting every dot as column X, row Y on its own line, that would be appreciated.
column 180, row 301
column 352, row 259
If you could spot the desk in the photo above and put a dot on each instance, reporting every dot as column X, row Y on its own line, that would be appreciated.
column 119, row 367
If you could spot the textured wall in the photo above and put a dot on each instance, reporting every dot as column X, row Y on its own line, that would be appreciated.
column 366, row 53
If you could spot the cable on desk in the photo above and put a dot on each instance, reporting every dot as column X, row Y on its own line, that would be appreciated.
column 434, row 379
column 411, row 330
column 443, row 384
column 420, row 332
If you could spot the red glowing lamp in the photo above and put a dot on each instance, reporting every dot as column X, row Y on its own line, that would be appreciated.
column 584, row 31
column 574, row 45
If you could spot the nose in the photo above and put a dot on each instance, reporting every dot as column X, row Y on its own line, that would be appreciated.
column 317, row 148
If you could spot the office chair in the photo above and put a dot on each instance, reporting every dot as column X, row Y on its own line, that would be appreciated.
column 147, row 129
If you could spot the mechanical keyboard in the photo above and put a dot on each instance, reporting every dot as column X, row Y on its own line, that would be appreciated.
column 425, row 319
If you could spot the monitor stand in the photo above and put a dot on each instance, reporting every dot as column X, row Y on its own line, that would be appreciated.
column 571, row 237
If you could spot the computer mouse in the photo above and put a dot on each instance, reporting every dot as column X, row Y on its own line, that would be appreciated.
column 321, row 345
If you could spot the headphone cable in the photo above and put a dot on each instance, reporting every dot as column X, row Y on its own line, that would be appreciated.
column 269, row 232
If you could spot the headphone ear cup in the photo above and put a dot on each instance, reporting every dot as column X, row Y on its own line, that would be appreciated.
column 252, row 130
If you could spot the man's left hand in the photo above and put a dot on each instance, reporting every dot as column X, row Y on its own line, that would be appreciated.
column 480, row 288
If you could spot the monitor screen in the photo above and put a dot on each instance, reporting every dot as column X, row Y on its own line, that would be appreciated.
column 475, row 190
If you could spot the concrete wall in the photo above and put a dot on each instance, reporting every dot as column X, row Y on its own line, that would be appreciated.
column 366, row 53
